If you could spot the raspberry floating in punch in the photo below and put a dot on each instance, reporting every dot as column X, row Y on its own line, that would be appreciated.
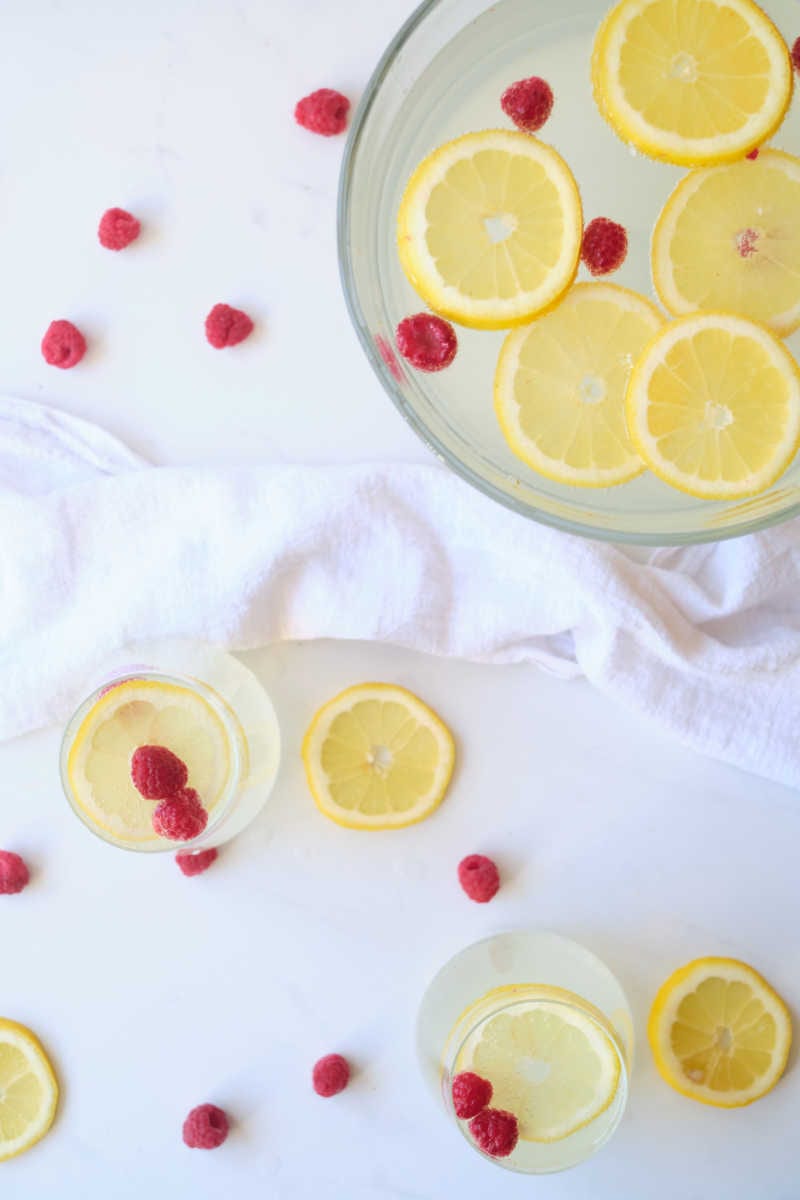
column 528, row 103
column 181, row 818
column 428, row 342
column 604, row 246
column 471, row 1094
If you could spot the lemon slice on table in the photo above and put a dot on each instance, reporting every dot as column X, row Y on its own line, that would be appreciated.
column 714, row 406
column 28, row 1090
column 489, row 228
column 376, row 757
column 719, row 1033
column 547, row 1060
column 691, row 81
column 135, row 713
column 560, row 385
column 729, row 238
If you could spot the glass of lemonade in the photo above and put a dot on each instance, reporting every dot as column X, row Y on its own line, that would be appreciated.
column 198, row 702
column 548, row 1025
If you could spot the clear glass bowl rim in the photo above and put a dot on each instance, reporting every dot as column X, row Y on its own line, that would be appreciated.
column 442, row 452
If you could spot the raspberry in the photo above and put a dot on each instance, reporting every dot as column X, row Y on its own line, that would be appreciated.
column 226, row 326
column 181, row 817
column 331, row 1075
column 117, row 229
column 14, row 874
column 528, row 103
column 195, row 864
column 753, row 155
column 796, row 55
column 605, row 244
column 479, row 877
column 206, row 1127
column 157, row 773
column 428, row 342
column 63, row 345
column 471, row 1093
column 324, row 111
column 496, row 1132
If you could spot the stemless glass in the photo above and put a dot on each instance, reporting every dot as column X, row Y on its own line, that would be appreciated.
column 513, row 973
column 244, row 720
column 442, row 76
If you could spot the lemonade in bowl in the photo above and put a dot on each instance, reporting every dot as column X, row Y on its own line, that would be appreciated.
column 451, row 205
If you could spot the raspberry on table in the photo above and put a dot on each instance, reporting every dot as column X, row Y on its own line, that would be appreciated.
column 528, row 103
column 331, row 1075
column 195, row 863
column 157, row 773
column 63, row 345
column 324, row 111
column 479, row 877
column 206, row 1127
column 796, row 55
column 181, row 817
column 14, row 873
column 471, row 1094
column 117, row 229
column 428, row 342
column 605, row 244
column 226, row 326
column 495, row 1131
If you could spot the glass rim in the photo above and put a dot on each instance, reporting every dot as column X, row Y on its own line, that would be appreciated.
column 233, row 783
column 430, row 439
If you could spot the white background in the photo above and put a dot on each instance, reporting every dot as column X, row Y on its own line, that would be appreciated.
column 154, row 992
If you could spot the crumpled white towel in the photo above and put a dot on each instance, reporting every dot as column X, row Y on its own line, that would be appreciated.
column 97, row 549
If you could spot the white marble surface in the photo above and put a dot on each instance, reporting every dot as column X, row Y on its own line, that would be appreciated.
column 154, row 992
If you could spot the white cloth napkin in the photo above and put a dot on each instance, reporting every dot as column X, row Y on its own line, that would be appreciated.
column 98, row 549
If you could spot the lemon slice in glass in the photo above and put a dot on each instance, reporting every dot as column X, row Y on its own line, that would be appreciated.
column 135, row 713
column 376, row 757
column 729, row 238
column 489, row 228
column 714, row 406
column 691, row 81
column 560, row 385
column 548, row 1058
column 28, row 1090
column 719, row 1033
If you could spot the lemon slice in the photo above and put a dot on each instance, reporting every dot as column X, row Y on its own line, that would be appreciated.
column 135, row 713
column 376, row 757
column 489, row 228
column 719, row 1033
column 28, row 1090
column 547, row 1056
column 729, row 238
column 691, row 81
column 714, row 406
column 560, row 385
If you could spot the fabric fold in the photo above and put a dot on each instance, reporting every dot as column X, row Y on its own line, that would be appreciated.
column 99, row 550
